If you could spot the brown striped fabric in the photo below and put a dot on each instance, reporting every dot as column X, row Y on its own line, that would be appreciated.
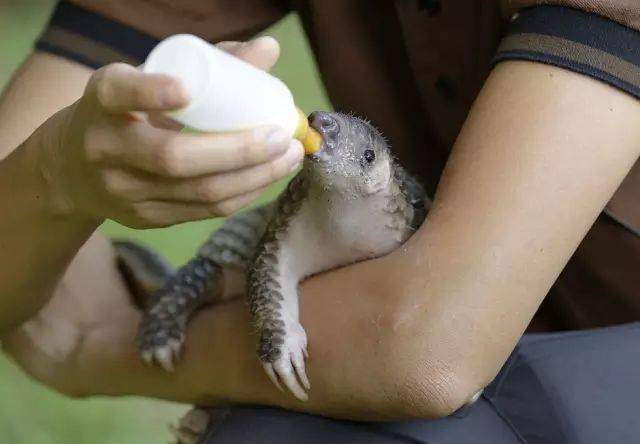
column 575, row 52
column 625, row 12
column 74, row 42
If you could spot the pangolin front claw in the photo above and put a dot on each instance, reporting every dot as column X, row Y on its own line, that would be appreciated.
column 160, row 342
column 285, row 363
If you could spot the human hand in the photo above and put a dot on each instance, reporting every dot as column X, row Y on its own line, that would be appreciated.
column 106, row 159
column 61, row 344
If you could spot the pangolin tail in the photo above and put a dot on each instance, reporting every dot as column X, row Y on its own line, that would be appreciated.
column 143, row 270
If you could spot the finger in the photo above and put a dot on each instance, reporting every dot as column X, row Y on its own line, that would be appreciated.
column 120, row 88
column 262, row 52
column 237, row 203
column 229, row 45
column 172, row 154
column 214, row 188
column 160, row 120
column 227, row 185
column 157, row 214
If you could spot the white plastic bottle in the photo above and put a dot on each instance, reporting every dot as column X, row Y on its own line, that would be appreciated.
column 227, row 94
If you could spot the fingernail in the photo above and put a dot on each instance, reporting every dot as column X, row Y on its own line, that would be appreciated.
column 277, row 142
column 266, row 40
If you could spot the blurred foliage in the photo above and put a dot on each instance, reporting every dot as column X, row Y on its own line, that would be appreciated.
column 32, row 414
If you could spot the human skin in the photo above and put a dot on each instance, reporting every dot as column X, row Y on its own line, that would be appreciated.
column 412, row 334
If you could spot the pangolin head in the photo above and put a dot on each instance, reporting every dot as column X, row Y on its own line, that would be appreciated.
column 353, row 158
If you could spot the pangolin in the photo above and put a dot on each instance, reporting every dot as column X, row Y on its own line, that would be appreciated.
column 350, row 201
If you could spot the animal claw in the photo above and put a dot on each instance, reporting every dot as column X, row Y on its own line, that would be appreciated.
column 288, row 377
column 147, row 357
column 289, row 370
column 272, row 375
column 161, row 345
column 164, row 357
column 298, row 364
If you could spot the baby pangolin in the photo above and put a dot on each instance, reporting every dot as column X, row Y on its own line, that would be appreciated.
column 351, row 201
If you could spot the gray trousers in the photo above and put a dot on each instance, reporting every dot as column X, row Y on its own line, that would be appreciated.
column 578, row 387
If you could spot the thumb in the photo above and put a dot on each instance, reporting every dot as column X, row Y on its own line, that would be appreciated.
column 262, row 52
column 120, row 88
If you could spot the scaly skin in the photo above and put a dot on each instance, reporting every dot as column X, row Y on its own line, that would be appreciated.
column 199, row 282
column 263, row 289
column 350, row 202
column 144, row 271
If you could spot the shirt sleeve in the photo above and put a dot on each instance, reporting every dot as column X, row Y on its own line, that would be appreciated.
column 625, row 12
column 99, row 32
column 91, row 39
column 574, row 39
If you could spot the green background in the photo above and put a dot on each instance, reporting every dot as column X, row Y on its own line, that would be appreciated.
column 33, row 414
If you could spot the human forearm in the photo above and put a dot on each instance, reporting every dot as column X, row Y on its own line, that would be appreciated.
column 36, row 243
column 540, row 155
column 219, row 365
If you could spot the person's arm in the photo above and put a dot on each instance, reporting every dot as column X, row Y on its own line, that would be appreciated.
column 35, row 247
column 418, row 332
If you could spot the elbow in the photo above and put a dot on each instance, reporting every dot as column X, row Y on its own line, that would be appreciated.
column 429, row 392
column 423, row 379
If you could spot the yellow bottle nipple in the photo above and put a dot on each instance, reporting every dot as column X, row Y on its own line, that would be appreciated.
column 310, row 138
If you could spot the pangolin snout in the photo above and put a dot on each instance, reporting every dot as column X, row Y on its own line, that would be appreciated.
column 326, row 124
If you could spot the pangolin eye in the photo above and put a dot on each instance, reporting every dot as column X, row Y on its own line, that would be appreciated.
column 369, row 156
